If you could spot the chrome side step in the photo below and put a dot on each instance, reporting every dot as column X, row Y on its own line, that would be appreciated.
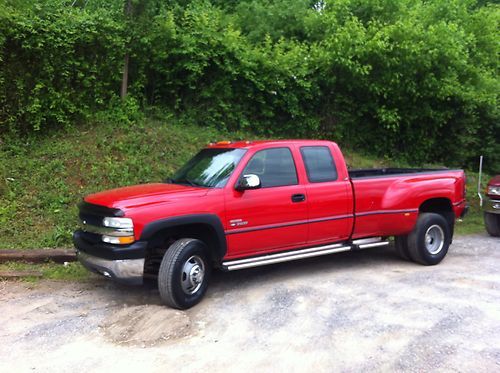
column 375, row 244
column 284, row 257
column 364, row 243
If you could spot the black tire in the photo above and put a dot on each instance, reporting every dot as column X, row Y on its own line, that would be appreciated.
column 401, row 246
column 177, row 288
column 429, row 241
column 492, row 224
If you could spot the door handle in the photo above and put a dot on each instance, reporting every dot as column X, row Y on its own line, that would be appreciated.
column 298, row 197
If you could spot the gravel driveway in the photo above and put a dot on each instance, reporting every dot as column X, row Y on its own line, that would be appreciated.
column 354, row 311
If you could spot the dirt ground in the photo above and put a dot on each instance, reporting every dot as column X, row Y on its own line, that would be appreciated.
column 358, row 311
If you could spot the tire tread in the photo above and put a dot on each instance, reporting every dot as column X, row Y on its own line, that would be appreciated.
column 401, row 246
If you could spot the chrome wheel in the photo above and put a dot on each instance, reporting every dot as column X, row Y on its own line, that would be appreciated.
column 434, row 239
column 193, row 273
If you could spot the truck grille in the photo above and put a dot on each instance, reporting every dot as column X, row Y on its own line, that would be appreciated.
column 91, row 217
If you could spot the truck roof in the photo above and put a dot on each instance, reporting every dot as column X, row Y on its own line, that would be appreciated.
column 247, row 144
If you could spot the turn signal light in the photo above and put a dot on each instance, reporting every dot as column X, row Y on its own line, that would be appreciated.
column 118, row 240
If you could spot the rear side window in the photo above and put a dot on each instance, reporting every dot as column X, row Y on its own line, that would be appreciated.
column 274, row 167
column 319, row 164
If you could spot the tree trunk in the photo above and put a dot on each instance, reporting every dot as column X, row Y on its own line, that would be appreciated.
column 123, row 91
column 124, row 87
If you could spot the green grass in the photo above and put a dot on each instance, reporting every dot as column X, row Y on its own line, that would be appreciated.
column 473, row 221
column 71, row 271
column 43, row 177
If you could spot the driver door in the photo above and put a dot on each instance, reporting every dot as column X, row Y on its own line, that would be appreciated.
column 273, row 217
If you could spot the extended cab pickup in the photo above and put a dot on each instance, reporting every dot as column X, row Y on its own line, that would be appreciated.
column 238, row 205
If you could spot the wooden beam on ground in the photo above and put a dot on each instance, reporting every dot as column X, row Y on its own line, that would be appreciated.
column 19, row 274
column 38, row 256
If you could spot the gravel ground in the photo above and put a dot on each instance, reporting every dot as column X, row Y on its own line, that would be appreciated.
column 355, row 311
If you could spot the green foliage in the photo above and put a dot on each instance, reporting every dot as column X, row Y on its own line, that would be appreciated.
column 73, row 271
column 417, row 80
column 58, row 63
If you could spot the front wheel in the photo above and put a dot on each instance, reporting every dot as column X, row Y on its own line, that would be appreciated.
column 184, row 273
column 429, row 241
column 492, row 224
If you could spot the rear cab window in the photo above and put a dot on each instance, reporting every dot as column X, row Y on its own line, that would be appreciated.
column 275, row 167
column 319, row 163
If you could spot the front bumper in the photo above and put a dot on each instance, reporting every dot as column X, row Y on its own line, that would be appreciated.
column 123, row 263
column 492, row 206
column 128, row 271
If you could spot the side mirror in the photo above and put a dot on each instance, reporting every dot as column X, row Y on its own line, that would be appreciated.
column 249, row 181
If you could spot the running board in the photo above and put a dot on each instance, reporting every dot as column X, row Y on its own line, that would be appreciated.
column 263, row 260
column 284, row 257
column 365, row 243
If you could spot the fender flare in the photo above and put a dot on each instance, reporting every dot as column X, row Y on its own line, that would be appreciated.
column 210, row 220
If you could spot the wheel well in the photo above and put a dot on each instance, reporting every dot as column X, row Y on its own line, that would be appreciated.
column 437, row 205
column 440, row 206
column 161, row 241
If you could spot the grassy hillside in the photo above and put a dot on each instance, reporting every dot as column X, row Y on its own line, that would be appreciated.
column 44, row 177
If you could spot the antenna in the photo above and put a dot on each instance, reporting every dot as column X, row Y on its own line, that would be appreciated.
column 479, row 181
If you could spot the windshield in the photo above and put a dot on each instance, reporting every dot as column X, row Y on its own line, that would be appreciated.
column 209, row 168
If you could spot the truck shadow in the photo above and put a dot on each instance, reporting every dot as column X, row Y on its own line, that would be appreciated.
column 345, row 264
column 342, row 263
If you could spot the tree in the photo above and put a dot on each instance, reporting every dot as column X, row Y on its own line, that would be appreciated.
column 124, row 86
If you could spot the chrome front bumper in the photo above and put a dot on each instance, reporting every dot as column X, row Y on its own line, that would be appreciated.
column 130, row 271
column 492, row 206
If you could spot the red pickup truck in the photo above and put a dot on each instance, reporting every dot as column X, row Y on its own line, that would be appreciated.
column 243, row 204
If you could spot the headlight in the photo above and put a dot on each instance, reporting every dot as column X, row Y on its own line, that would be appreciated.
column 122, row 223
column 494, row 190
column 118, row 231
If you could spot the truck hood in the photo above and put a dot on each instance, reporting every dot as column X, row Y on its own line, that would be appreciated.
column 144, row 194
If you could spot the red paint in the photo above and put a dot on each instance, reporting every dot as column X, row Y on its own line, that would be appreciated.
column 266, row 220
column 495, row 181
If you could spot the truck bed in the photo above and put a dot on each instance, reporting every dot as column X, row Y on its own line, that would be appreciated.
column 391, row 171
column 387, row 200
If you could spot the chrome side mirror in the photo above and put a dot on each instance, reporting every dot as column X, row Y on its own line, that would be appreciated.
column 249, row 181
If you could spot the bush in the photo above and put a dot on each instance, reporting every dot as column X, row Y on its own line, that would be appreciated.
column 59, row 63
column 412, row 79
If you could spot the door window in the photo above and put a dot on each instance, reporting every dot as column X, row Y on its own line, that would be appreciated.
column 275, row 167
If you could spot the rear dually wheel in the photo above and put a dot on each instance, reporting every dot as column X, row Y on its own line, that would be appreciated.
column 429, row 241
column 401, row 246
